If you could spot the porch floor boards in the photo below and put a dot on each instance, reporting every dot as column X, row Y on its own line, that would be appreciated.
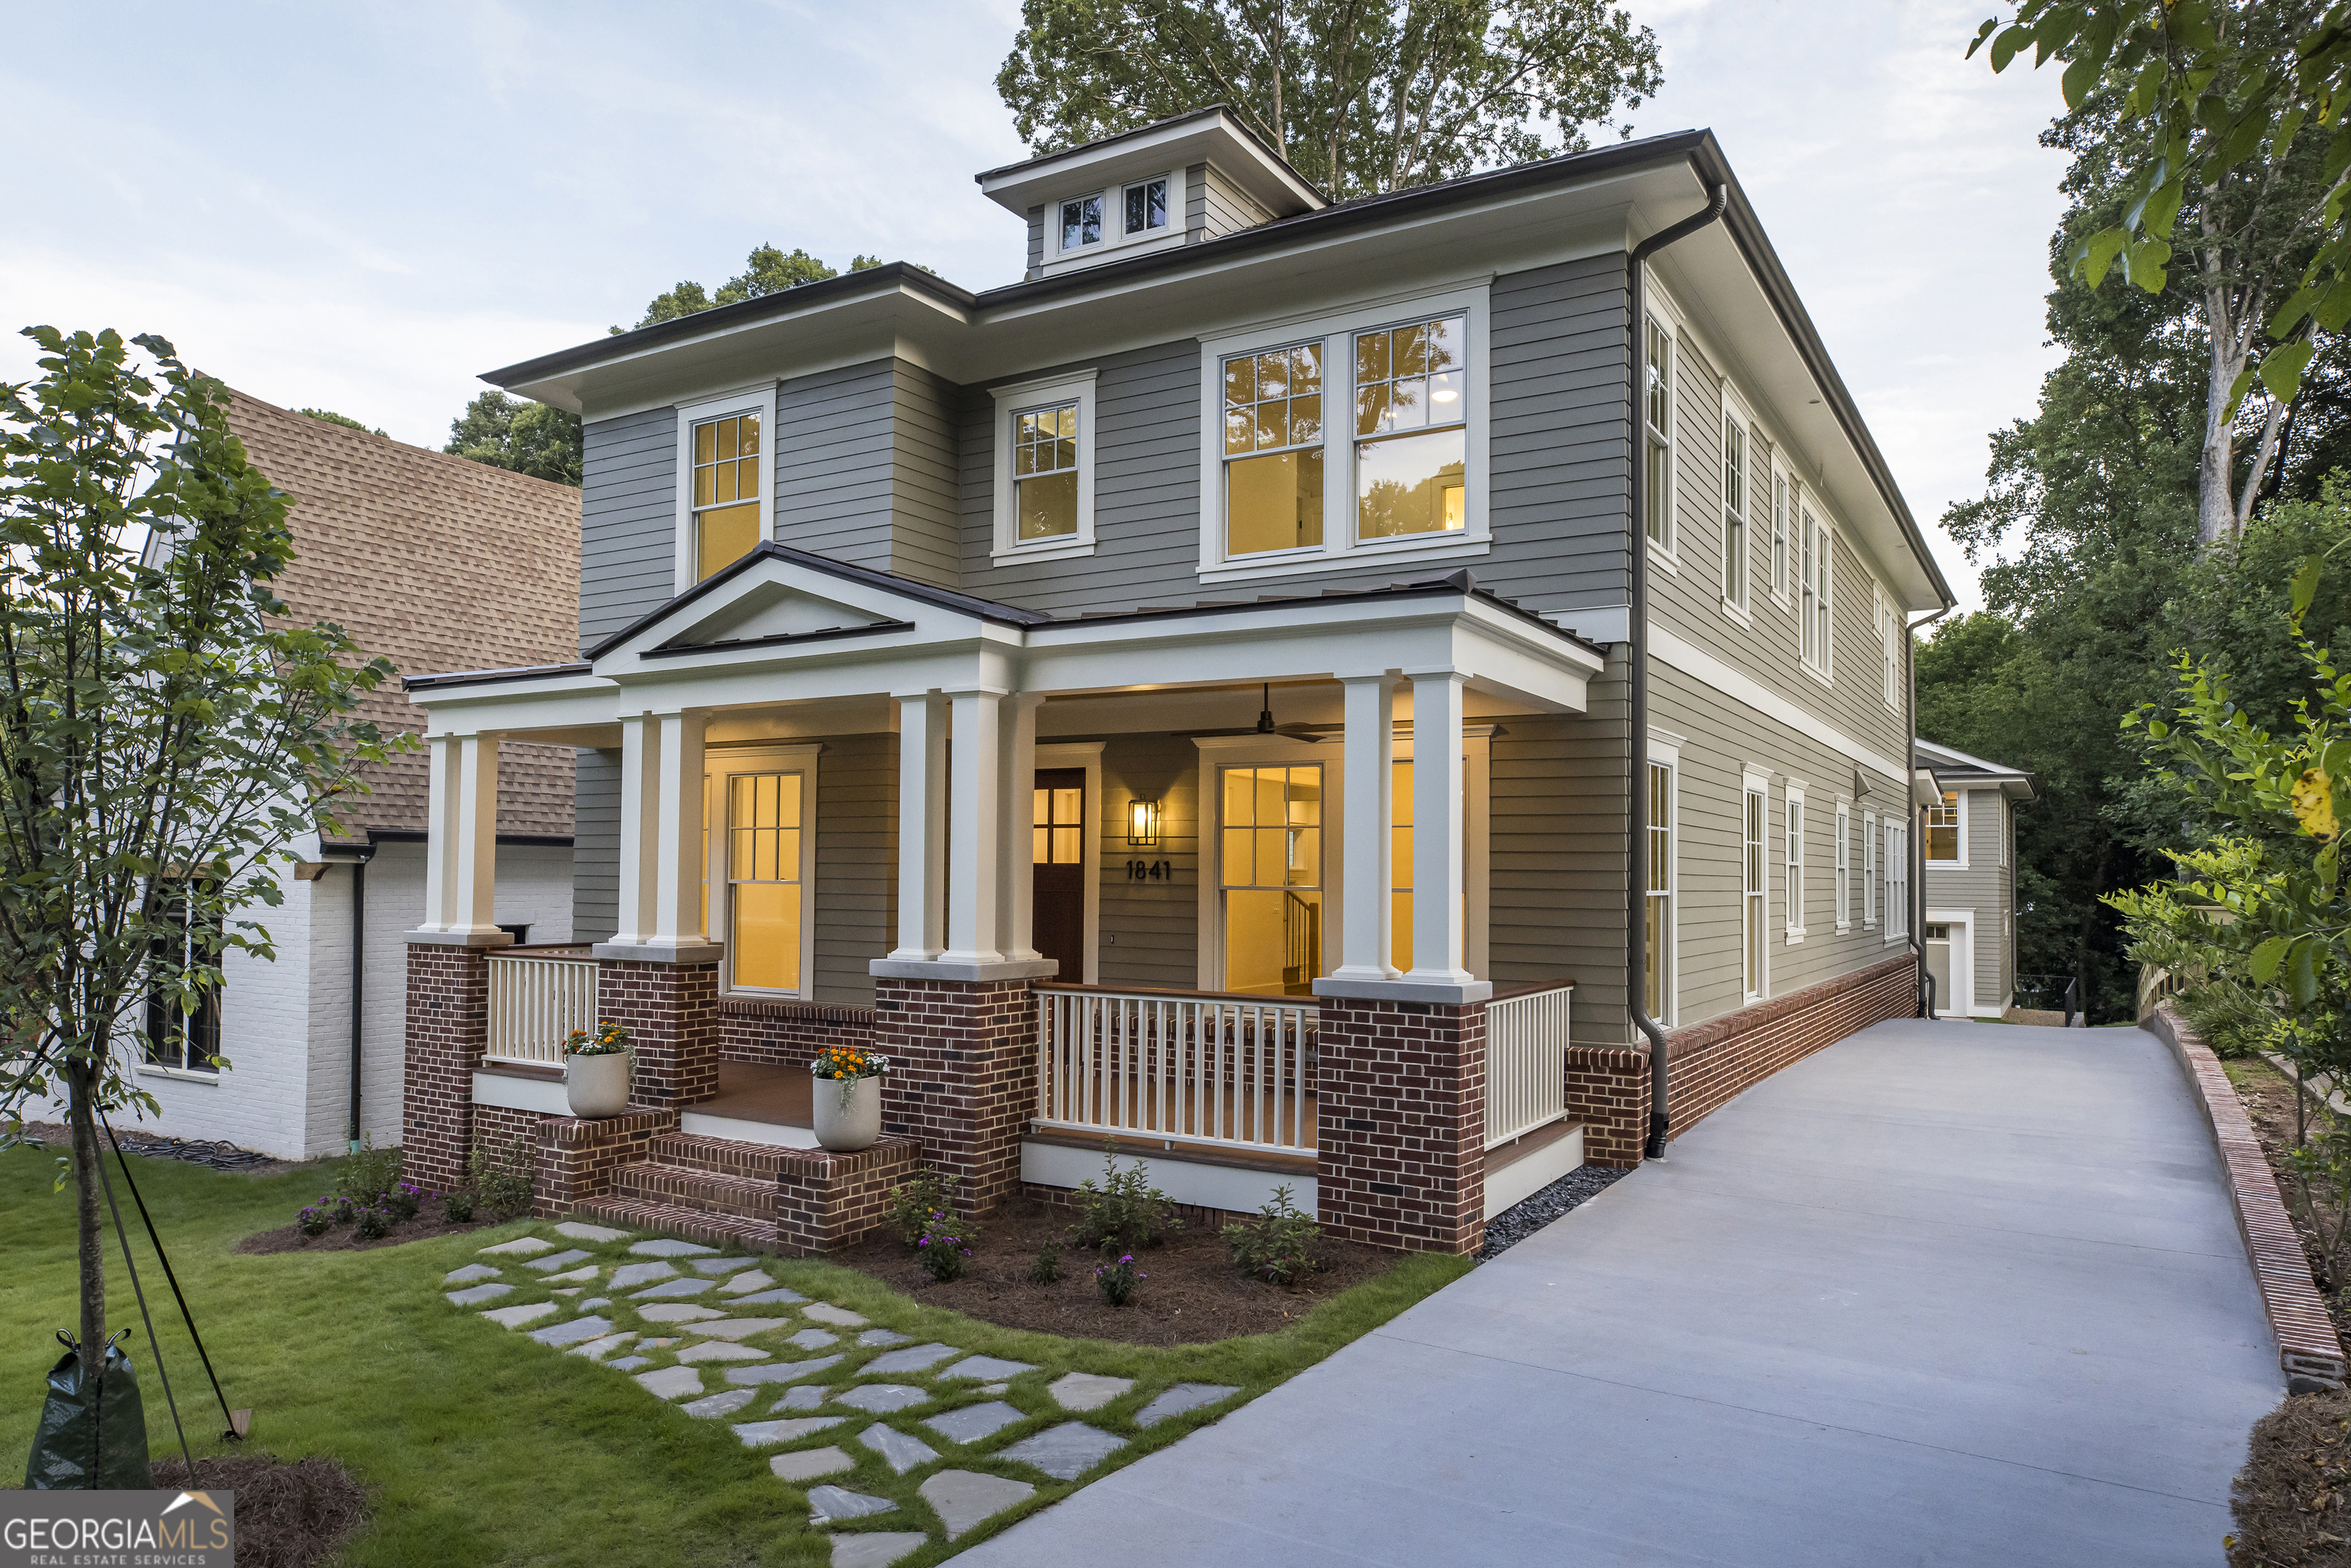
column 758, row 1091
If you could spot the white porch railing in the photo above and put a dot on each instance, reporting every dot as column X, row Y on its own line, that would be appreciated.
column 537, row 995
column 1526, row 1061
column 1181, row 1067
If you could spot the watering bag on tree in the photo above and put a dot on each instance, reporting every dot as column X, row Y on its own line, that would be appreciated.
column 93, row 1433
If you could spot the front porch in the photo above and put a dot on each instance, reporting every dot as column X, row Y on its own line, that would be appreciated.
column 1073, row 901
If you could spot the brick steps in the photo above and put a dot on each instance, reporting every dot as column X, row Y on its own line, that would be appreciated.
column 722, row 1156
column 684, row 1186
column 692, row 1223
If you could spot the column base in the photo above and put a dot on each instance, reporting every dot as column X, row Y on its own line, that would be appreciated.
column 948, row 969
column 1405, row 989
column 660, row 953
column 491, row 938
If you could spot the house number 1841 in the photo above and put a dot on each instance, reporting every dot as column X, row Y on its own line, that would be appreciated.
column 1151, row 871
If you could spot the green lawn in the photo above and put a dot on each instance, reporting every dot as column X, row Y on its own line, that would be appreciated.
column 481, row 1447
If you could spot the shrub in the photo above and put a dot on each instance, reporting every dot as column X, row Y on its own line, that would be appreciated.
column 314, row 1218
column 1117, row 1281
column 2234, row 1020
column 367, row 1172
column 501, row 1180
column 943, row 1245
column 374, row 1222
column 1125, row 1213
column 344, row 1211
column 1048, row 1265
column 913, row 1202
column 457, row 1208
column 1280, row 1248
column 405, row 1200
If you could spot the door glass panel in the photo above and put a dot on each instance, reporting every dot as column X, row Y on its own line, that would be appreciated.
column 1272, row 879
column 1057, row 830
column 766, row 898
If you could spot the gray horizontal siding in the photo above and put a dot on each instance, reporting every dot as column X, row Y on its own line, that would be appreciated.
column 628, row 520
column 596, row 848
column 1150, row 930
column 835, row 461
column 925, row 541
column 1556, row 843
column 856, row 864
column 1225, row 207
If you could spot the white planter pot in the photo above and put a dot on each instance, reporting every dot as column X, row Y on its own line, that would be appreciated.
column 596, row 1086
column 846, row 1122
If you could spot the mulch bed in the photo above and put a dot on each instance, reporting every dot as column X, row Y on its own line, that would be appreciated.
column 2291, row 1498
column 1193, row 1294
column 2269, row 1099
column 346, row 1238
column 290, row 1514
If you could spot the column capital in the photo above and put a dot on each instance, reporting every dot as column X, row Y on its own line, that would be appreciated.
column 1360, row 677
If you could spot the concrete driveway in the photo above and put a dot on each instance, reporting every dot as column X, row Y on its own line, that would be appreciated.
column 1943, row 1293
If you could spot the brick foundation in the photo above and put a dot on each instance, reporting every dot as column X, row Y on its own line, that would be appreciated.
column 963, row 1078
column 788, row 1034
column 671, row 1014
column 1713, row 1063
column 448, row 1019
column 1401, row 1122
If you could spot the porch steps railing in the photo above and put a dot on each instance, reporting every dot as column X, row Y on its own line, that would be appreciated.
column 1526, row 1061
column 1205, row 1068
column 540, row 993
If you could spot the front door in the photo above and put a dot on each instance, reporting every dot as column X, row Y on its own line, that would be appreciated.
column 1938, row 965
column 1057, row 840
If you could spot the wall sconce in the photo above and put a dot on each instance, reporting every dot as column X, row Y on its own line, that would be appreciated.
column 1142, row 823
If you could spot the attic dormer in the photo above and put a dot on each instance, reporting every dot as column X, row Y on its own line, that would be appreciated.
column 1180, row 182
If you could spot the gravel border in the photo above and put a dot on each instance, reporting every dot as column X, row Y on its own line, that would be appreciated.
column 1532, row 1213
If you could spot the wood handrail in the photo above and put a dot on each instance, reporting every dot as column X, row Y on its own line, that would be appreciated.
column 1172, row 994
column 1503, row 993
column 544, row 950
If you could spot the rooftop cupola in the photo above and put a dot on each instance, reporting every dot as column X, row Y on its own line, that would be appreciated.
column 1179, row 181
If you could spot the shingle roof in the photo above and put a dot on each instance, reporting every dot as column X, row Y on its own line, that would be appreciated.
column 434, row 563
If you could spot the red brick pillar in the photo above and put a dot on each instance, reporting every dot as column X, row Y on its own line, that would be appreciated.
column 671, row 1011
column 1608, row 1091
column 1401, row 1123
column 448, row 1026
column 963, row 1078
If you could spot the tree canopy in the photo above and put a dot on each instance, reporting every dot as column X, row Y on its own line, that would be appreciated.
column 510, row 433
column 345, row 420
column 766, row 270
column 1361, row 96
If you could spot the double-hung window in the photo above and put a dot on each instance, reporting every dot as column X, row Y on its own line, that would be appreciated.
column 1412, row 430
column 1897, row 879
column 725, row 504
column 1943, row 825
column 1889, row 645
column 1658, row 932
column 1795, row 833
column 1754, row 896
column 1782, row 496
column 1044, row 468
column 1734, row 512
column 1273, row 450
column 184, row 1007
column 1844, row 867
column 1657, row 440
column 1868, row 870
column 1813, row 608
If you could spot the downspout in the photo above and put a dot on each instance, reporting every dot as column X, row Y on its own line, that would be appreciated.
column 1913, row 841
column 358, row 986
column 1636, row 660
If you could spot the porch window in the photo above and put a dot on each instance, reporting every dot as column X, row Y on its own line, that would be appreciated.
column 765, row 880
column 1271, row 879
column 726, row 492
column 1045, row 470
column 1943, row 828
column 1752, row 907
column 1273, row 450
column 1411, row 429
column 1659, row 913
column 1057, row 825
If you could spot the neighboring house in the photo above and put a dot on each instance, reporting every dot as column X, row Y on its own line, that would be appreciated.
column 1967, row 841
column 1186, row 696
column 436, row 563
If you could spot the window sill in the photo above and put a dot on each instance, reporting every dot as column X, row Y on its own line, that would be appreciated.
column 1796, row 936
column 180, row 1074
column 1734, row 613
column 1845, row 927
column 1660, row 556
column 1827, row 683
column 1286, row 564
column 1065, row 549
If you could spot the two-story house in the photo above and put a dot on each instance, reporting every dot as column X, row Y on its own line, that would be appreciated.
column 1318, row 692
column 1966, row 849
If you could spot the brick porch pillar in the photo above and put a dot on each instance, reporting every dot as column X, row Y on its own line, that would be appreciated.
column 963, row 1078
column 448, row 1027
column 671, row 1011
column 1401, row 1122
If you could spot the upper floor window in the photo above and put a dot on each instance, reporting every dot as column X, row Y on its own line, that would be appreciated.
column 1734, row 512
column 725, row 491
column 1082, row 222
column 1411, row 429
column 1890, row 644
column 1816, row 579
column 1044, row 468
column 1943, row 828
column 1273, row 450
column 1658, row 412
column 1146, row 206
column 1782, row 498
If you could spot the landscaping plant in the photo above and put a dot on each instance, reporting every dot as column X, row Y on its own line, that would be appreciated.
column 457, row 1208
column 169, row 728
column 1117, row 1280
column 374, row 1221
column 404, row 1198
column 1047, row 1269
column 607, row 1039
column 367, row 1172
column 944, row 1245
column 913, row 1202
column 314, row 1219
column 1280, row 1247
column 845, row 1064
column 2318, row 1184
column 1125, row 1213
column 501, row 1181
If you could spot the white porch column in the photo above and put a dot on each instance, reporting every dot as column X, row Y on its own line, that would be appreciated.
column 440, row 829
column 975, row 821
column 921, row 825
column 1015, row 908
column 461, row 862
column 678, row 848
column 1437, row 935
column 1365, row 943
column 640, row 828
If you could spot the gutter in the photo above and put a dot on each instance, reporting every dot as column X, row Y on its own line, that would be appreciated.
column 1636, row 658
column 357, row 859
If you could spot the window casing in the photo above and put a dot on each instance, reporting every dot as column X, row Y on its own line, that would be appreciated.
column 759, row 830
column 1782, row 499
column 1889, row 643
column 1943, row 822
column 1044, row 468
column 1897, row 880
column 1734, row 512
column 1815, row 606
column 1656, row 953
column 1658, row 437
column 1795, row 848
column 1754, row 909
column 1090, row 225
column 1843, row 868
column 725, row 486
column 181, row 1034
column 1868, row 870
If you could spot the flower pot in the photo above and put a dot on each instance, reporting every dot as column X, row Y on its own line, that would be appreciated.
column 847, row 1121
column 596, row 1086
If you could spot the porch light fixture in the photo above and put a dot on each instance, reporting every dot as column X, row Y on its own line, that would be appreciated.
column 1142, row 823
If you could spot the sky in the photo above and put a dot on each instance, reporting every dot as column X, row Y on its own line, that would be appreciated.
column 361, row 207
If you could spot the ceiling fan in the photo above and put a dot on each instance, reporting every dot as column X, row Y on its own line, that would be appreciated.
column 1265, row 724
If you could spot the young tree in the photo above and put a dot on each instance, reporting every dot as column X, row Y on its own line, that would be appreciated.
column 1361, row 96
column 531, row 438
column 345, row 420
column 164, row 729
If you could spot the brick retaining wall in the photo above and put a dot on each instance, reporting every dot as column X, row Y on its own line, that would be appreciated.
column 2307, row 1343
column 788, row 1034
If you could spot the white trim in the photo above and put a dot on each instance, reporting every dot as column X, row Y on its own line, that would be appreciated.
column 1840, row 863
column 718, row 763
column 1960, row 811
column 1871, row 890
column 1020, row 397
column 1088, row 755
column 178, row 1075
column 1115, row 241
column 1754, row 779
column 1336, row 330
column 1963, row 960
column 1669, row 757
column 760, row 398
column 1701, row 665
column 1476, row 835
column 515, row 1093
column 1231, row 1187
column 1794, row 831
column 1735, row 415
column 1221, row 751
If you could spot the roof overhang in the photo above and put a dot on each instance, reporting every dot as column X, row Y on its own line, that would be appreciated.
column 1210, row 135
